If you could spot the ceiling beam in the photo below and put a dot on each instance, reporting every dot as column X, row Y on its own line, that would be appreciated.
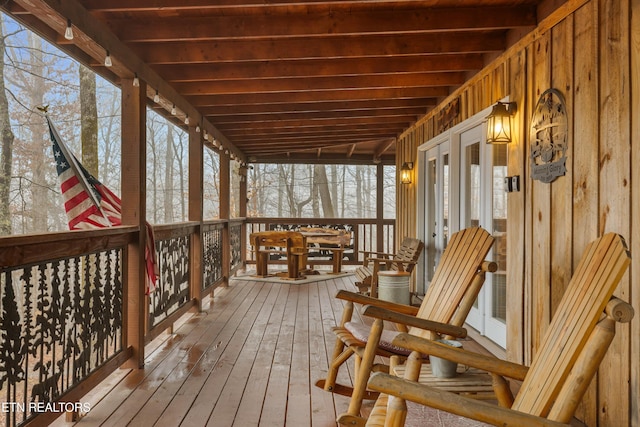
column 321, row 47
column 314, row 84
column 320, row 122
column 318, row 67
column 306, row 96
column 208, row 26
column 279, row 117
column 310, row 107
column 250, row 6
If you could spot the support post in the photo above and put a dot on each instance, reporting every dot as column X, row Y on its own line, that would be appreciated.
column 133, row 213
column 225, row 209
column 243, row 214
column 380, row 208
column 196, row 166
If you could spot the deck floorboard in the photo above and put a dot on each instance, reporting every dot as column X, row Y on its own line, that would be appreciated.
column 250, row 359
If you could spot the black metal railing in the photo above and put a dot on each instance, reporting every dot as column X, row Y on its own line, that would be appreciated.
column 61, row 318
column 367, row 234
column 212, row 255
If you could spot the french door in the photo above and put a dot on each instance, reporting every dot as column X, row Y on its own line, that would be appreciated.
column 434, row 231
column 462, row 185
column 483, row 203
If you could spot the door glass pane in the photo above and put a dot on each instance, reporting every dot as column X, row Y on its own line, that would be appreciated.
column 431, row 194
column 472, row 185
column 445, row 203
column 499, row 288
column 472, row 177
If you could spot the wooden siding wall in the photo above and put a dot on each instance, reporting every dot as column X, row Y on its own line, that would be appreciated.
column 590, row 51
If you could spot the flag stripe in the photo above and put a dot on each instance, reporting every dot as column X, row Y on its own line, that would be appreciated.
column 90, row 205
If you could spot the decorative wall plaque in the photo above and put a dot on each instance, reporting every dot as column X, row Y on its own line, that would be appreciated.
column 447, row 115
column 549, row 137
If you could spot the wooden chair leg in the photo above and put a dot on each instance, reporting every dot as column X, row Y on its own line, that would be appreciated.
column 337, row 260
column 329, row 384
column 364, row 371
column 261, row 263
column 397, row 407
column 292, row 266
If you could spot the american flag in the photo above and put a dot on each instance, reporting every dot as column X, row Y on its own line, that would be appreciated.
column 89, row 204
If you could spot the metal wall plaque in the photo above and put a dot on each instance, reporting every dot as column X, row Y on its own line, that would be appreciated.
column 549, row 137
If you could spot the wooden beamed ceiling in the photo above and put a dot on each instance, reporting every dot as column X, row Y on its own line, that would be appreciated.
column 291, row 79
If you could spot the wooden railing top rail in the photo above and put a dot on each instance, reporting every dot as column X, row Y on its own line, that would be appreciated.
column 260, row 220
column 33, row 248
column 22, row 239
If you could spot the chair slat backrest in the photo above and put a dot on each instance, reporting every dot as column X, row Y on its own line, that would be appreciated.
column 603, row 264
column 458, row 267
column 409, row 251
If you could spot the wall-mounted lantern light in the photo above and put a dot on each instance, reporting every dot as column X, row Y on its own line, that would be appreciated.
column 405, row 172
column 499, row 123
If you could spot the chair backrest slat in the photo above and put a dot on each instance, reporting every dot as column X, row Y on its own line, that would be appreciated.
column 458, row 266
column 603, row 264
column 409, row 251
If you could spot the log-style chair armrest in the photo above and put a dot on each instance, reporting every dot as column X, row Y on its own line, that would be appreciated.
column 429, row 325
column 367, row 300
column 454, row 403
column 480, row 361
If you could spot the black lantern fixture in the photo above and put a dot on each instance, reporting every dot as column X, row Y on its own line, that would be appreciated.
column 499, row 123
column 405, row 172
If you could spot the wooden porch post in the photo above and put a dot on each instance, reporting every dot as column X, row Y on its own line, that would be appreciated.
column 225, row 208
column 380, row 208
column 195, row 213
column 243, row 213
column 133, row 213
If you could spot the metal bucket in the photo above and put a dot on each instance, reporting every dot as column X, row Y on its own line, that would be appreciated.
column 394, row 286
column 443, row 368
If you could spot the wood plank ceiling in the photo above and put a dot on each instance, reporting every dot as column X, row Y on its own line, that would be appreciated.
column 281, row 80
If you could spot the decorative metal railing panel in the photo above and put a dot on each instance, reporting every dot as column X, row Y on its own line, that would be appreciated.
column 212, row 254
column 365, row 233
column 172, row 289
column 59, row 321
column 235, row 241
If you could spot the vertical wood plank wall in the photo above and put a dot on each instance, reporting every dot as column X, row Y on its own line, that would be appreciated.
column 589, row 51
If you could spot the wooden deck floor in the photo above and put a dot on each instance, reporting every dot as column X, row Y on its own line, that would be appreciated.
column 250, row 360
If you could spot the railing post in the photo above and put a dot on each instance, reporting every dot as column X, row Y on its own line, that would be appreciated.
column 133, row 213
column 380, row 207
column 225, row 209
column 196, row 165
column 243, row 214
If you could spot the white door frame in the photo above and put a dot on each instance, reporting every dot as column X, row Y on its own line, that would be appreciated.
column 450, row 141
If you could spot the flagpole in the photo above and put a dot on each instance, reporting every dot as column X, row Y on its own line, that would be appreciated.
column 73, row 164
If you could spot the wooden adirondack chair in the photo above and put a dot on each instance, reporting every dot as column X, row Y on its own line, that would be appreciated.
column 453, row 290
column 571, row 351
column 404, row 260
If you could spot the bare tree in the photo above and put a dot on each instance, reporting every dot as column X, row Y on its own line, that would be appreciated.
column 6, row 154
column 39, row 136
column 320, row 181
column 168, row 177
column 88, row 120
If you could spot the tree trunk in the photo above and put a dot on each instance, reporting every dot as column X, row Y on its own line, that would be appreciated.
column 359, row 192
column 321, row 181
column 88, row 120
column 168, row 178
column 40, row 139
column 6, row 154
